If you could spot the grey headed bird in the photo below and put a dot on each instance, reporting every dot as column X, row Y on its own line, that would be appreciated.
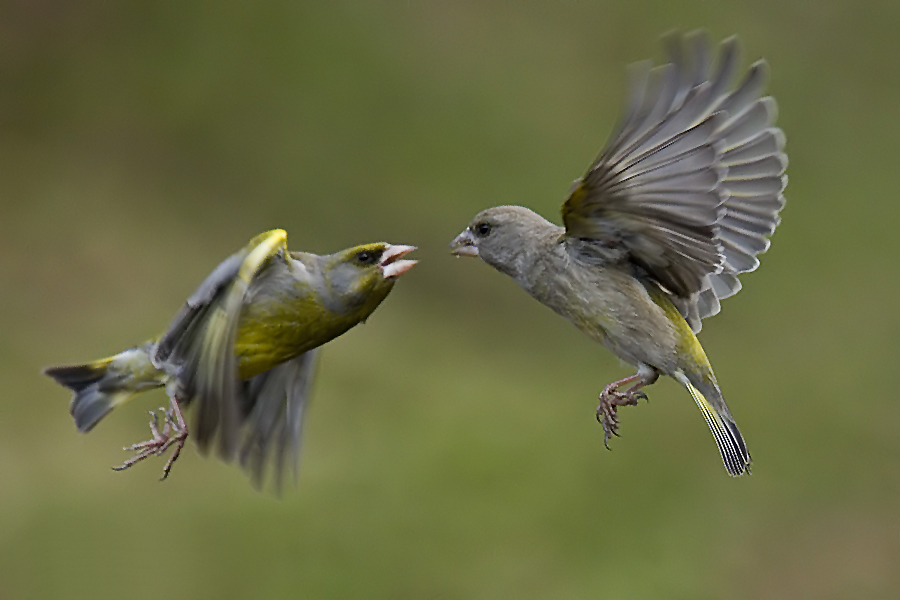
column 243, row 350
column 678, row 204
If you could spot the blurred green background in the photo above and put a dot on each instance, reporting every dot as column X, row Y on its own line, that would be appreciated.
column 451, row 449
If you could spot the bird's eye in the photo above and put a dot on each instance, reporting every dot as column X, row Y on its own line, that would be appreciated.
column 367, row 257
column 483, row 229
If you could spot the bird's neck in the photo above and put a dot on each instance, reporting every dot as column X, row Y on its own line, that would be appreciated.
column 528, row 263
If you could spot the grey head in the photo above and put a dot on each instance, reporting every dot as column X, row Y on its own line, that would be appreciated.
column 361, row 277
column 506, row 237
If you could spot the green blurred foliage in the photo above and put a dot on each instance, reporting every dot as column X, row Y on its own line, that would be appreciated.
column 451, row 448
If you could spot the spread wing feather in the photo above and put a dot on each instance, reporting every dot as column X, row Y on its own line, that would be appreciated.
column 690, row 183
column 277, row 401
column 198, row 348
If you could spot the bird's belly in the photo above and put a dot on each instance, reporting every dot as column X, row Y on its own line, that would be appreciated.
column 258, row 352
column 640, row 333
column 615, row 310
column 275, row 332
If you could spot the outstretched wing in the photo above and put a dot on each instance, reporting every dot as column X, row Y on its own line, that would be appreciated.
column 690, row 182
column 198, row 348
column 276, row 403
column 754, row 188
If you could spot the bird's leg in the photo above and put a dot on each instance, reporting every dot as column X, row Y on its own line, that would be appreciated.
column 181, row 435
column 611, row 399
column 174, row 432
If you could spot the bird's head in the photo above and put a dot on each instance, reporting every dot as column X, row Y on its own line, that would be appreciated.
column 502, row 236
column 363, row 275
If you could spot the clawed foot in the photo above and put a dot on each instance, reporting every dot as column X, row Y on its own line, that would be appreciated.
column 174, row 432
column 610, row 400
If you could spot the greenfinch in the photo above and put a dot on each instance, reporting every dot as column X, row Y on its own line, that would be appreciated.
column 242, row 349
column 677, row 204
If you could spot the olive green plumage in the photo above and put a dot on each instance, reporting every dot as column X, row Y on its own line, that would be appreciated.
column 243, row 346
column 679, row 202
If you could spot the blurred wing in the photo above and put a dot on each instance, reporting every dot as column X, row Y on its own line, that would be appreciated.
column 276, row 401
column 191, row 314
column 672, row 185
column 198, row 348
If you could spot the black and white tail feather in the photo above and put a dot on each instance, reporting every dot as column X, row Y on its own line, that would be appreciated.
column 725, row 431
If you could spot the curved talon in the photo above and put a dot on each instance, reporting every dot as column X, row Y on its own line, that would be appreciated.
column 174, row 432
column 611, row 399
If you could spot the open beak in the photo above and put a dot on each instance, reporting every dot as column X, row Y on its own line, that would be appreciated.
column 390, row 265
column 464, row 245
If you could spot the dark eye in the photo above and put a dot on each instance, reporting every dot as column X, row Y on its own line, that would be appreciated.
column 367, row 257
column 483, row 229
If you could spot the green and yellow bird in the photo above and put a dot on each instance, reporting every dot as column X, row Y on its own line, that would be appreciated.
column 242, row 349
column 679, row 202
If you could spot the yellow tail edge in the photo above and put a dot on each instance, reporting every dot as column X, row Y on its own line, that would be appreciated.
column 728, row 438
column 99, row 386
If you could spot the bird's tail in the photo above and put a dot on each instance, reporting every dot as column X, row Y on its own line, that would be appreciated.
column 101, row 385
column 724, row 429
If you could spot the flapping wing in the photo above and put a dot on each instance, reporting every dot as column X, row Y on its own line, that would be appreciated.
column 754, row 189
column 690, row 182
column 276, row 404
column 198, row 348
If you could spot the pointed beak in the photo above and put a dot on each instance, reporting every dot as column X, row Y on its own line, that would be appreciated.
column 390, row 265
column 464, row 245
